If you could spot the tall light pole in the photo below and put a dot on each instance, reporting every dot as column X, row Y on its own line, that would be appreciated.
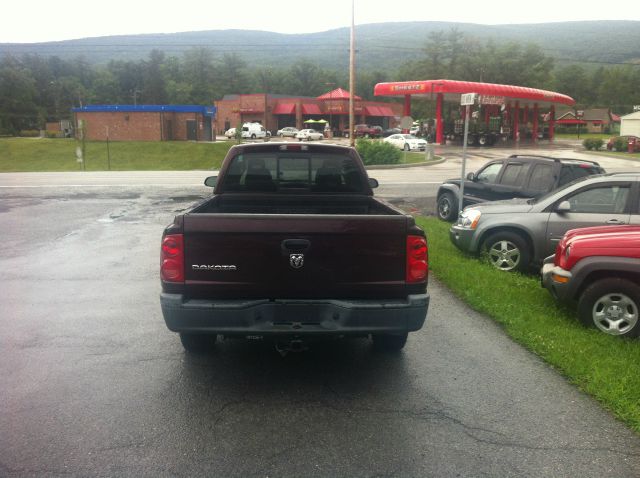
column 330, row 85
column 352, row 140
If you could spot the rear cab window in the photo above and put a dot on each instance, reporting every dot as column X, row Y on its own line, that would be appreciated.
column 295, row 171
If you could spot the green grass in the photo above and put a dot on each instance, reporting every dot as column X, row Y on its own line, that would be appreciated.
column 606, row 367
column 583, row 136
column 34, row 154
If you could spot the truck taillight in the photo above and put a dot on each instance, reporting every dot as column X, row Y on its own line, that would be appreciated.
column 172, row 258
column 417, row 257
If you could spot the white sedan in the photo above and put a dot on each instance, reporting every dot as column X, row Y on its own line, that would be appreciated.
column 230, row 133
column 408, row 142
column 287, row 131
column 308, row 135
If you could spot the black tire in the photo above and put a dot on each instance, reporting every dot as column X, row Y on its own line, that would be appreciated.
column 282, row 135
column 197, row 343
column 483, row 140
column 507, row 251
column 612, row 305
column 407, row 147
column 253, row 136
column 389, row 342
column 471, row 140
column 447, row 207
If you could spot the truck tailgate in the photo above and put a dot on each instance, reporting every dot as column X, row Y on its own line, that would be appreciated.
column 294, row 256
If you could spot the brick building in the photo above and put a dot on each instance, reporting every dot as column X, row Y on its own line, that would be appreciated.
column 278, row 111
column 146, row 122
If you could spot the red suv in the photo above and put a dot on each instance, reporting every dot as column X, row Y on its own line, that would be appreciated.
column 599, row 268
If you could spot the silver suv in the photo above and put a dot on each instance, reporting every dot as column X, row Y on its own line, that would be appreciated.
column 519, row 233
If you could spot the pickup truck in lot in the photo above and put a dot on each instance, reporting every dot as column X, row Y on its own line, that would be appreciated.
column 293, row 246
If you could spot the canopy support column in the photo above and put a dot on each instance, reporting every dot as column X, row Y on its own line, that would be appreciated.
column 516, row 122
column 552, row 122
column 407, row 105
column 536, row 115
column 439, row 121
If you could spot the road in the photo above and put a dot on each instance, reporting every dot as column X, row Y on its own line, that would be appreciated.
column 93, row 384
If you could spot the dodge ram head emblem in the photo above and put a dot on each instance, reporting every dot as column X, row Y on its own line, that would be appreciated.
column 296, row 260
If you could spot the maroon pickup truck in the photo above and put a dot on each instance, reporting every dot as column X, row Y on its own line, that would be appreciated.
column 599, row 268
column 293, row 246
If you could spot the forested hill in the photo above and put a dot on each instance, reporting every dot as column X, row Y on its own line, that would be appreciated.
column 381, row 45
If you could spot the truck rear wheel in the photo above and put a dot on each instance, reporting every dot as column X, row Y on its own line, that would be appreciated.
column 197, row 343
column 389, row 342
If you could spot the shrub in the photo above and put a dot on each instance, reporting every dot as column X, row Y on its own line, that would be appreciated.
column 378, row 152
column 51, row 134
column 29, row 133
column 619, row 144
column 593, row 144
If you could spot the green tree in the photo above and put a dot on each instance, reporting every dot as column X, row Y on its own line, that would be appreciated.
column 154, row 89
column 18, row 109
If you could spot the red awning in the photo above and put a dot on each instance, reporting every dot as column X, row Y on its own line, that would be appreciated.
column 284, row 109
column 372, row 111
column 596, row 121
column 310, row 109
column 452, row 89
column 386, row 111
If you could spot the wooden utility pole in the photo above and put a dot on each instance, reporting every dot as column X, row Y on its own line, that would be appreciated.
column 352, row 139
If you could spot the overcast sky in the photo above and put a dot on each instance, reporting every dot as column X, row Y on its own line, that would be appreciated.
column 39, row 20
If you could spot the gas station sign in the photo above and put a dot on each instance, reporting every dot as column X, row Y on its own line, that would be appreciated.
column 491, row 100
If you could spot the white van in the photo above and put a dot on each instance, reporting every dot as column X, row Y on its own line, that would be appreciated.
column 253, row 131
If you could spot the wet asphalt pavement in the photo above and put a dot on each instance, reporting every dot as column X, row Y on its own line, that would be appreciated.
column 93, row 384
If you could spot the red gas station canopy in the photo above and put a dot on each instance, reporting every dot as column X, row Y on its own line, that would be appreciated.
column 452, row 89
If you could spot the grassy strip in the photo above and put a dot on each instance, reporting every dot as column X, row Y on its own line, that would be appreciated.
column 34, row 154
column 608, row 368
column 614, row 154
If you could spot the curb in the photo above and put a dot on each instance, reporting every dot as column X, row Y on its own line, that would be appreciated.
column 402, row 166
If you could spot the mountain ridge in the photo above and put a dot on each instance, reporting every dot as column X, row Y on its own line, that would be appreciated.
column 379, row 45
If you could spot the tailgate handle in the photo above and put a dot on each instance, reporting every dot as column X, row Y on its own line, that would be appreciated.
column 295, row 245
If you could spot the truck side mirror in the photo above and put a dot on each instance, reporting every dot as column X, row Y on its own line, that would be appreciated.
column 211, row 181
column 373, row 183
column 563, row 207
column 471, row 176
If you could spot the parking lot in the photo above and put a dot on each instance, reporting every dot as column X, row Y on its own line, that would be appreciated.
column 93, row 384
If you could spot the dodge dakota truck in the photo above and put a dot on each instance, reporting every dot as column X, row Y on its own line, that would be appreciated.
column 293, row 246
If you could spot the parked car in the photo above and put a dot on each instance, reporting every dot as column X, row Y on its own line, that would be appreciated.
column 599, row 269
column 614, row 143
column 407, row 142
column 519, row 232
column 287, row 131
column 230, row 133
column 308, row 135
column 388, row 132
column 518, row 176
